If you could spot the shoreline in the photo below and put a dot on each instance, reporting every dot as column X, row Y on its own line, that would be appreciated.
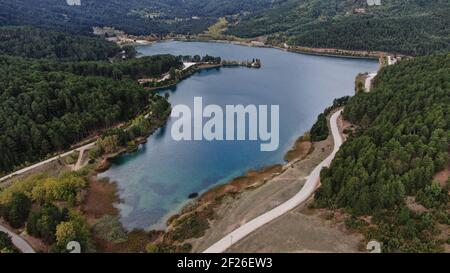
column 312, row 182
column 202, row 209
column 105, row 162
column 209, row 198
column 188, row 207
column 85, row 144
column 266, row 172
column 296, row 49
column 326, row 52
column 191, row 71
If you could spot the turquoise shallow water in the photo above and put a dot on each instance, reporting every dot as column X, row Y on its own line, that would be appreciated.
column 156, row 181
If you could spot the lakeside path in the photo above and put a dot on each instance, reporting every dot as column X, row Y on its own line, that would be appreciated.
column 20, row 243
column 307, row 190
column 29, row 168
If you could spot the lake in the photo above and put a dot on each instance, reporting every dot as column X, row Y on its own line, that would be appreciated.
column 156, row 181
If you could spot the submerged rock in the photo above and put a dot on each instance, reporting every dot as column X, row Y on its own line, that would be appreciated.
column 193, row 195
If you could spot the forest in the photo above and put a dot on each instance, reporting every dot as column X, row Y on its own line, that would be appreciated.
column 402, row 141
column 47, row 106
column 148, row 66
column 36, row 43
column 132, row 16
column 415, row 27
column 319, row 131
column 46, row 207
column 6, row 245
column 59, row 86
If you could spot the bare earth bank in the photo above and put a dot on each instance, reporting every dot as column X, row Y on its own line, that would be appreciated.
column 301, row 230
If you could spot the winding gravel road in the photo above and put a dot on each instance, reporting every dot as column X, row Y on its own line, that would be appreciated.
column 307, row 190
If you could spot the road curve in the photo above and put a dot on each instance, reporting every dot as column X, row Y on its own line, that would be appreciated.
column 369, row 80
column 20, row 243
column 310, row 186
column 29, row 168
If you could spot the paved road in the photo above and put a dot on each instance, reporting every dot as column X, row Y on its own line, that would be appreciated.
column 308, row 189
column 20, row 243
column 29, row 168
column 368, row 82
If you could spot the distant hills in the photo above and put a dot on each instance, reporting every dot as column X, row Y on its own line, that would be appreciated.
column 414, row 27
column 132, row 16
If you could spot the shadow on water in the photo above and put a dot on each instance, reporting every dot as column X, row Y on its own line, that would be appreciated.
column 161, row 132
column 125, row 158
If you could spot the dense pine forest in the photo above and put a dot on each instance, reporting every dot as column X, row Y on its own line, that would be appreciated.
column 45, row 108
column 60, row 85
column 402, row 141
column 35, row 43
column 414, row 27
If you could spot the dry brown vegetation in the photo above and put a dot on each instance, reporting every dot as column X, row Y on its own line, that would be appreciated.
column 99, row 200
column 301, row 149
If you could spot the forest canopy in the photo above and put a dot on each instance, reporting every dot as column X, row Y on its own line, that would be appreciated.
column 403, row 140
column 37, row 43
column 47, row 106
column 133, row 16
column 414, row 27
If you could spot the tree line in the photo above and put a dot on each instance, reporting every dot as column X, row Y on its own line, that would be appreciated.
column 144, row 67
column 139, row 17
column 429, row 34
column 36, row 43
column 402, row 141
column 416, row 28
column 47, row 106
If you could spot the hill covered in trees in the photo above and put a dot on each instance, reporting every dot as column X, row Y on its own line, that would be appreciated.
column 46, row 106
column 36, row 43
column 132, row 16
column 403, row 140
column 414, row 27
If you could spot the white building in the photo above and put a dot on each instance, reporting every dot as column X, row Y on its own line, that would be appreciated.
column 73, row 2
column 374, row 2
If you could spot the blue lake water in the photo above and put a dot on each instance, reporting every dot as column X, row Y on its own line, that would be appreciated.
column 156, row 181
